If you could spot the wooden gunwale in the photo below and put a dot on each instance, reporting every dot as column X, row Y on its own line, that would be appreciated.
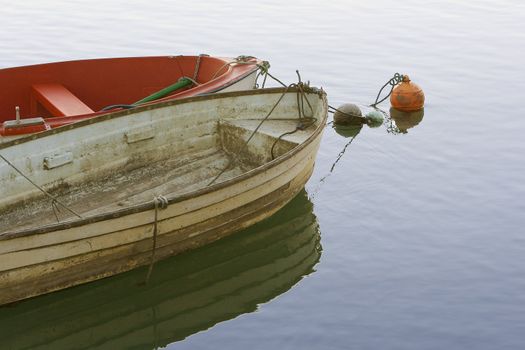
column 175, row 198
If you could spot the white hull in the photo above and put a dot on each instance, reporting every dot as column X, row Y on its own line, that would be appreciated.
column 194, row 140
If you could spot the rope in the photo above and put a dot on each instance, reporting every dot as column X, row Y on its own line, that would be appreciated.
column 123, row 106
column 56, row 209
column 238, row 60
column 279, row 139
column 396, row 79
column 251, row 136
column 274, row 78
column 323, row 179
column 197, row 66
column 342, row 153
column 263, row 68
column 300, row 126
column 301, row 92
column 304, row 120
column 190, row 79
column 160, row 202
column 310, row 120
column 54, row 201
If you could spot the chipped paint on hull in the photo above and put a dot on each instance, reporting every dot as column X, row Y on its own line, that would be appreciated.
column 194, row 140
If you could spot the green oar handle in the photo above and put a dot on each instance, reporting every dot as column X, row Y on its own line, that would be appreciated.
column 183, row 82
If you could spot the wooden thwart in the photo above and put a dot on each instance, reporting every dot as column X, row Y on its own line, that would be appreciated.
column 59, row 101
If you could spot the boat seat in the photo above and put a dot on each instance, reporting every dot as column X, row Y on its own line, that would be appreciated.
column 58, row 100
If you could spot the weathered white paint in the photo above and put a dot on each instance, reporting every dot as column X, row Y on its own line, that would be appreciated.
column 192, row 142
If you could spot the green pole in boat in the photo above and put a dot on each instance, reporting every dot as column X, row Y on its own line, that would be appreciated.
column 183, row 82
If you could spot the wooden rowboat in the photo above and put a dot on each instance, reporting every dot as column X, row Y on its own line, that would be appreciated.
column 122, row 190
column 188, row 293
column 55, row 94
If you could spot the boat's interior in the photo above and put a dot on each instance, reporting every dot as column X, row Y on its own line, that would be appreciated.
column 171, row 156
column 87, row 86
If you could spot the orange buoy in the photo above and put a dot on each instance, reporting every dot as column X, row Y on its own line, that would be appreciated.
column 407, row 96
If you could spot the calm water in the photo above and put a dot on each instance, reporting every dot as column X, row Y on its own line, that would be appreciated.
column 422, row 233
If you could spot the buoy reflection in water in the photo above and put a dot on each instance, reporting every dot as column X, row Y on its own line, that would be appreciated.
column 406, row 120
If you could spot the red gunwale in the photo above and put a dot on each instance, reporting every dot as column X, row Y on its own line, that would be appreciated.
column 108, row 81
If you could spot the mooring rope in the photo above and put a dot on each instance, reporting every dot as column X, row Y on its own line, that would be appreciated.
column 396, row 79
column 264, row 70
column 160, row 202
column 304, row 120
column 252, row 134
column 54, row 201
column 323, row 179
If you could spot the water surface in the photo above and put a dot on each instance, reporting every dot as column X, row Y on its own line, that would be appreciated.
column 422, row 230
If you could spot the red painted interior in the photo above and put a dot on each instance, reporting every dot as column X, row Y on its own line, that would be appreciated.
column 58, row 100
column 73, row 88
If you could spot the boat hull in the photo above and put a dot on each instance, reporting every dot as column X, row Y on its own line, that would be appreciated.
column 48, row 259
column 188, row 293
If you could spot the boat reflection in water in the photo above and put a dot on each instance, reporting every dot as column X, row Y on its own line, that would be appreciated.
column 186, row 294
